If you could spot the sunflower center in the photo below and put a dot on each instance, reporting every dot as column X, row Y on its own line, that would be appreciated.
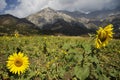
column 18, row 62
column 102, row 36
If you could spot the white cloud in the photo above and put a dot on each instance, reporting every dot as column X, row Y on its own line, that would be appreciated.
column 27, row 7
column 3, row 4
column 84, row 5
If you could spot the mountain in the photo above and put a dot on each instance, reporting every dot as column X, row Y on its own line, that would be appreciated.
column 10, row 24
column 116, row 23
column 48, row 16
column 104, row 18
column 55, row 22
column 101, row 14
column 75, row 14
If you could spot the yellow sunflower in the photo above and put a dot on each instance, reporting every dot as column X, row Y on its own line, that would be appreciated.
column 17, row 63
column 103, row 36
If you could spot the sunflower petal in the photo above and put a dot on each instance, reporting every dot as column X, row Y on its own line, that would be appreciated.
column 17, row 63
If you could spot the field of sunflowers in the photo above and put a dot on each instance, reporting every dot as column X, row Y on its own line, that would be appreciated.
column 60, row 57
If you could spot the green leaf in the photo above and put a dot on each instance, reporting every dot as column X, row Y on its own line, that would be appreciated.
column 66, row 46
column 72, row 51
column 61, row 71
column 81, row 72
column 86, row 47
column 93, row 59
column 79, row 58
column 103, row 77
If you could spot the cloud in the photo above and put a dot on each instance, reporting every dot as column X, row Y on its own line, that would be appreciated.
column 84, row 5
column 27, row 7
column 3, row 4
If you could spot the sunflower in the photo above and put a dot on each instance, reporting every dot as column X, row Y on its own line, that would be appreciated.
column 103, row 36
column 17, row 63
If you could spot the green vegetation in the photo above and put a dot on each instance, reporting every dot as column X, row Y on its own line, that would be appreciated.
column 61, row 58
column 10, row 24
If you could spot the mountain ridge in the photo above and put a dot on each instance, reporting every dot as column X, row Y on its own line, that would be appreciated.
column 56, row 22
column 50, row 21
column 9, row 25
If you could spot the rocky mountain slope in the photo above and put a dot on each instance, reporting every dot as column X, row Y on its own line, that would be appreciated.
column 10, row 24
column 97, row 19
column 48, row 15
column 51, row 21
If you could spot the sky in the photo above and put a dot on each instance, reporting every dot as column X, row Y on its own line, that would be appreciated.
column 23, row 8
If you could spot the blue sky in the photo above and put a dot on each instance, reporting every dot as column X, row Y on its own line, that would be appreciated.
column 11, row 4
column 23, row 8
